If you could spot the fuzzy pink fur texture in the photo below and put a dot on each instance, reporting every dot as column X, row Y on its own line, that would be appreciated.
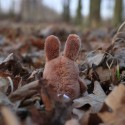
column 52, row 47
column 61, row 71
column 72, row 46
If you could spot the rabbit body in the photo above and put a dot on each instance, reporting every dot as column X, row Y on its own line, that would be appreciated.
column 63, row 76
column 61, row 71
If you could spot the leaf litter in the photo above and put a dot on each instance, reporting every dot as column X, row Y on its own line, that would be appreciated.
column 22, row 63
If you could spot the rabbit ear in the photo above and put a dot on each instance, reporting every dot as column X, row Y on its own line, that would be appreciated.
column 52, row 47
column 72, row 46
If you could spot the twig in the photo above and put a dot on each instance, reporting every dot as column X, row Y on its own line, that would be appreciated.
column 118, row 31
column 121, row 26
column 11, row 83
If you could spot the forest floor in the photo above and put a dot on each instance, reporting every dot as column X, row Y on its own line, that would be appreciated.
column 101, row 63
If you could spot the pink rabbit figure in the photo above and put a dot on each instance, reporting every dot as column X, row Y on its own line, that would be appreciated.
column 61, row 71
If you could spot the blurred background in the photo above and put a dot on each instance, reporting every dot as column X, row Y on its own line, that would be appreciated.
column 25, row 24
column 85, row 13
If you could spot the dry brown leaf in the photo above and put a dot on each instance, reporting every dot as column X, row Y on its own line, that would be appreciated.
column 4, row 84
column 72, row 122
column 25, row 91
column 106, row 74
column 112, row 118
column 95, row 100
column 4, row 100
column 107, row 117
column 116, row 99
column 118, row 122
column 95, row 58
column 78, row 112
column 9, row 117
column 90, row 119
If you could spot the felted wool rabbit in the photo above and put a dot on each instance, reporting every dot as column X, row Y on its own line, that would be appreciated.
column 61, row 71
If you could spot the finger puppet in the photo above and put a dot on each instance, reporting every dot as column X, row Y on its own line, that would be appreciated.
column 61, row 71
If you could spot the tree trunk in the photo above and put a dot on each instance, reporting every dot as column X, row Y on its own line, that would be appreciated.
column 117, row 19
column 0, row 7
column 79, row 13
column 66, row 10
column 30, row 10
column 94, row 18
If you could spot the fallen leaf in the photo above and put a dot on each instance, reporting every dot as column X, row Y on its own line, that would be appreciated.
column 72, row 122
column 9, row 117
column 5, row 101
column 116, row 101
column 95, row 100
column 116, row 98
column 95, row 58
column 25, row 91
column 106, row 74
column 4, row 84
column 78, row 112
